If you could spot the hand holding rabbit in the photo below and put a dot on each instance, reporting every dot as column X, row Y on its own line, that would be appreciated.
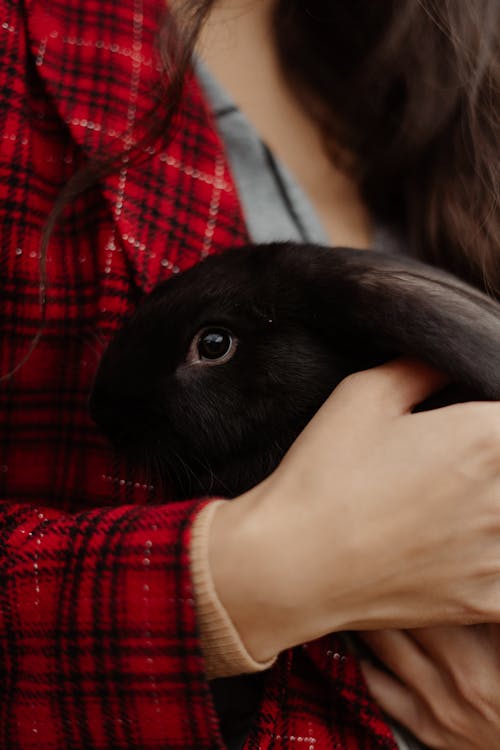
column 375, row 518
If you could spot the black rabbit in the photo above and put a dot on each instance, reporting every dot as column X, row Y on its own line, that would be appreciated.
column 222, row 366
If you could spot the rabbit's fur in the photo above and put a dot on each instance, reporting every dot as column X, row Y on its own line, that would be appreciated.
column 302, row 318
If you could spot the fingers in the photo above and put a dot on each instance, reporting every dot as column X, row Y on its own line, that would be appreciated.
column 470, row 657
column 398, row 701
column 402, row 655
column 446, row 702
column 397, row 386
column 448, row 646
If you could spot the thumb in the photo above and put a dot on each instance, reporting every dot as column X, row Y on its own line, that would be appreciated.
column 398, row 386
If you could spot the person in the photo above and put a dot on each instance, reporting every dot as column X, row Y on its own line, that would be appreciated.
column 118, row 604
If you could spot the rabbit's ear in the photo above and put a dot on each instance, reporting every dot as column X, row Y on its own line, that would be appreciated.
column 403, row 306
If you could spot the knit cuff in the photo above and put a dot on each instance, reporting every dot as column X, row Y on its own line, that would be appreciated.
column 224, row 651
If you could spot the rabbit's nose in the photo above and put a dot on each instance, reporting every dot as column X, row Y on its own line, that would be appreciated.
column 124, row 408
column 128, row 425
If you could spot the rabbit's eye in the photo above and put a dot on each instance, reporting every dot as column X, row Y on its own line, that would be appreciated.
column 212, row 346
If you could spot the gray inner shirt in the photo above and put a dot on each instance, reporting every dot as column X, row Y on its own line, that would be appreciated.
column 275, row 207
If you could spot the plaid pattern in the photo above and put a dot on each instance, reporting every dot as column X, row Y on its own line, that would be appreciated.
column 98, row 641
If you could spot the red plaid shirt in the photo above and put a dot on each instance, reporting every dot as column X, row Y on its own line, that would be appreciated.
column 98, row 638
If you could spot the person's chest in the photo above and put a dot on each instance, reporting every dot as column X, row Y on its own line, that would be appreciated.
column 237, row 48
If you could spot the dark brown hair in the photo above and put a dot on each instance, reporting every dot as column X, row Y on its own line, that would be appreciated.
column 407, row 94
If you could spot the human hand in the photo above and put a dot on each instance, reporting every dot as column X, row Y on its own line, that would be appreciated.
column 375, row 518
column 444, row 686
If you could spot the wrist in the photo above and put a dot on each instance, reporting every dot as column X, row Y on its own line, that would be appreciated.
column 256, row 554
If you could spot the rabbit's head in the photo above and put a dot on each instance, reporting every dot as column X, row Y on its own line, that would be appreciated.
column 215, row 375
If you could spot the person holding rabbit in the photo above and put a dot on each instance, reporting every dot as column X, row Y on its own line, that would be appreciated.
column 135, row 141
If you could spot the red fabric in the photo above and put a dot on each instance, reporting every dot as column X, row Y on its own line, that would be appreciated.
column 98, row 641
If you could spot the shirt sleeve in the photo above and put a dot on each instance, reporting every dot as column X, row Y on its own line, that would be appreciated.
column 225, row 653
column 98, row 635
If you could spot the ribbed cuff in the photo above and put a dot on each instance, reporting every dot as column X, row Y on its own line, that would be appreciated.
column 224, row 651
